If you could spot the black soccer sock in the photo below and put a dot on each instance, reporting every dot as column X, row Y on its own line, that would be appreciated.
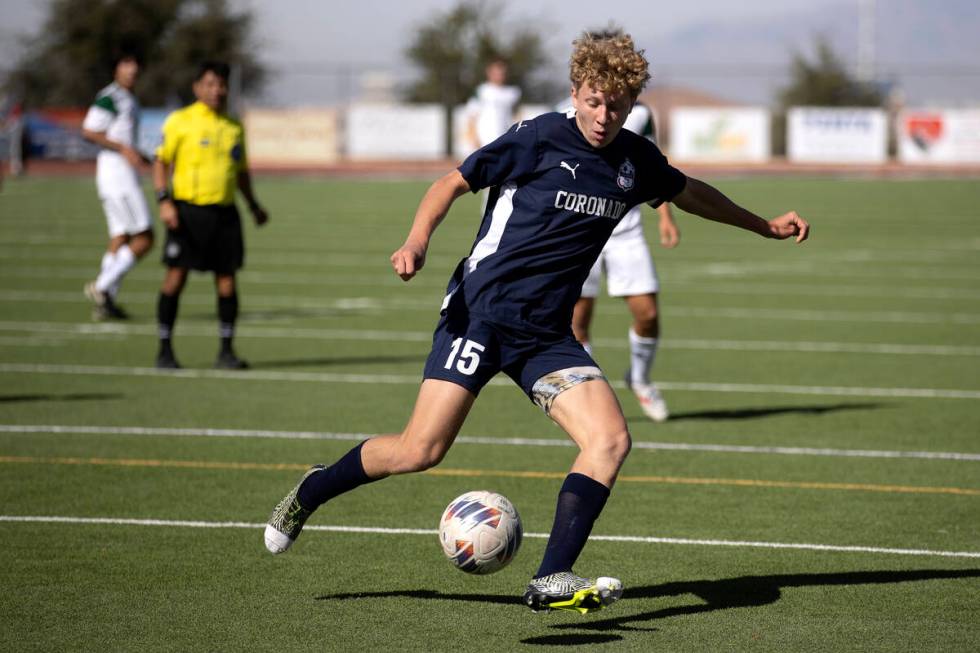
column 343, row 476
column 580, row 501
column 227, row 315
column 166, row 317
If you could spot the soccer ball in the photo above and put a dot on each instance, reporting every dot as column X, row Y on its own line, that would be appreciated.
column 480, row 532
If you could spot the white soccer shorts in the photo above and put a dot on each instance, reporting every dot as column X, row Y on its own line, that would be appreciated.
column 123, row 201
column 628, row 266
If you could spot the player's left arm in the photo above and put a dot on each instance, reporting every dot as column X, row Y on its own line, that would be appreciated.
column 245, row 187
column 708, row 202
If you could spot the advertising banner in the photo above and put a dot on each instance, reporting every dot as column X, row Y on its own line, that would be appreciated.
column 292, row 136
column 836, row 135
column 939, row 136
column 57, row 134
column 149, row 131
column 396, row 131
column 720, row 134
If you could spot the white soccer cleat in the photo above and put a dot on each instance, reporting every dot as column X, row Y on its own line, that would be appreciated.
column 288, row 518
column 651, row 401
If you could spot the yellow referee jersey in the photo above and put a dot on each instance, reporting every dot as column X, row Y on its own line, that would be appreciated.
column 207, row 150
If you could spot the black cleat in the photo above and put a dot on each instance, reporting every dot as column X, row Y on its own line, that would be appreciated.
column 113, row 311
column 166, row 361
column 227, row 360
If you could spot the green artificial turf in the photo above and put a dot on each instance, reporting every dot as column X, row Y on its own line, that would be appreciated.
column 865, row 338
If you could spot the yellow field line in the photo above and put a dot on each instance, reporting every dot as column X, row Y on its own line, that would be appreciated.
column 475, row 473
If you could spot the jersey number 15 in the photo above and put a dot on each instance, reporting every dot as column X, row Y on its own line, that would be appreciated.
column 469, row 357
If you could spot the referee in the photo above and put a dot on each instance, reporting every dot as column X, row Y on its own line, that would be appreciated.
column 203, row 151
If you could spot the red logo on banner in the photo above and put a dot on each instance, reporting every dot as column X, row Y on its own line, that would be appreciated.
column 924, row 129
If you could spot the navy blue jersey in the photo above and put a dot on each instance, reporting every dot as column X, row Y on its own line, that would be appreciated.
column 554, row 200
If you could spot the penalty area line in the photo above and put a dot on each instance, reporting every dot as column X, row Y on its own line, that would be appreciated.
column 637, row 539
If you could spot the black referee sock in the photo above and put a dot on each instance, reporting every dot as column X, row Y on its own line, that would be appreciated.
column 166, row 316
column 580, row 501
column 227, row 315
column 343, row 476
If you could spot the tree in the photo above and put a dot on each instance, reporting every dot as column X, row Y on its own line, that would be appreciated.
column 73, row 54
column 824, row 82
column 455, row 47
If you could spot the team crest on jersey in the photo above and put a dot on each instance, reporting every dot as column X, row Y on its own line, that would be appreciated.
column 626, row 175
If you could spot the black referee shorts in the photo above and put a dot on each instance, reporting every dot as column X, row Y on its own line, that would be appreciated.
column 207, row 238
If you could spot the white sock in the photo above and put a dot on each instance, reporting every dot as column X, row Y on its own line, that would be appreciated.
column 643, row 351
column 587, row 346
column 107, row 259
column 113, row 273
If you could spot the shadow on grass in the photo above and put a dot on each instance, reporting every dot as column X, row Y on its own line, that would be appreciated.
column 75, row 396
column 337, row 360
column 724, row 594
column 753, row 413
column 751, row 591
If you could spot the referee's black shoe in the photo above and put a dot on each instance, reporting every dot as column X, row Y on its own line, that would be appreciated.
column 166, row 360
column 227, row 360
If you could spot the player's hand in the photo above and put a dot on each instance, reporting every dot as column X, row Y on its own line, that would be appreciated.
column 134, row 158
column 259, row 215
column 408, row 260
column 670, row 235
column 168, row 214
column 788, row 225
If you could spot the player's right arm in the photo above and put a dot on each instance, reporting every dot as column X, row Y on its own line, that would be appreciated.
column 410, row 257
column 99, row 138
column 96, row 124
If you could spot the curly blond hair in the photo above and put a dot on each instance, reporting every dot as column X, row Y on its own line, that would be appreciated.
column 609, row 62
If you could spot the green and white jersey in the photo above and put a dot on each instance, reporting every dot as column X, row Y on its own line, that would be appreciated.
column 115, row 112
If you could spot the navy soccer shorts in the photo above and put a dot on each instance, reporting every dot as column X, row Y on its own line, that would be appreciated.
column 469, row 351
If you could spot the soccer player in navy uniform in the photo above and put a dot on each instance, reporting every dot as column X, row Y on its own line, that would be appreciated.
column 558, row 187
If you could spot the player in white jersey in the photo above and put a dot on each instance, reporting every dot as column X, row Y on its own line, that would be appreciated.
column 491, row 110
column 631, row 274
column 111, row 123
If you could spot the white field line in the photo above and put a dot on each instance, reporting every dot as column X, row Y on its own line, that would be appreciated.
column 690, row 285
column 469, row 439
column 638, row 539
column 102, row 330
column 855, row 264
column 388, row 304
column 406, row 379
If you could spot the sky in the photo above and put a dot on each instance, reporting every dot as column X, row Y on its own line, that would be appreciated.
column 323, row 51
column 337, row 40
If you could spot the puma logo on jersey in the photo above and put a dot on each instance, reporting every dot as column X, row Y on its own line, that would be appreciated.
column 519, row 125
column 570, row 168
